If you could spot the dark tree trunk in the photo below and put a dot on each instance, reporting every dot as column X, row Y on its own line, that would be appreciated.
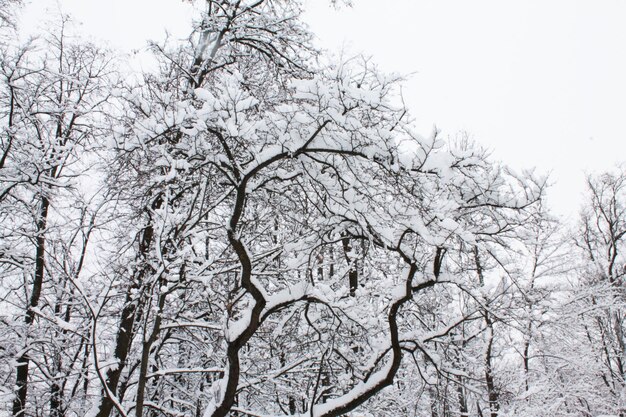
column 23, row 362
column 434, row 410
column 492, row 391
column 463, row 410
column 125, row 331
column 145, row 356
column 353, row 273
column 526, row 358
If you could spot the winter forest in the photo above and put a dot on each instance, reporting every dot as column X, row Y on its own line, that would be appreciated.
column 252, row 227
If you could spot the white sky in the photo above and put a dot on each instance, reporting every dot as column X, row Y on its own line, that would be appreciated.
column 540, row 82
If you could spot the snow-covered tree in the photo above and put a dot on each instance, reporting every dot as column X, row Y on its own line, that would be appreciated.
column 254, row 229
column 52, row 94
column 600, row 295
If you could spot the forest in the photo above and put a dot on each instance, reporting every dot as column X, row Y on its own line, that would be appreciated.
column 253, row 228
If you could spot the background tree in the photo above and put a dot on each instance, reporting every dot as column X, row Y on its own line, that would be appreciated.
column 601, row 240
column 52, row 92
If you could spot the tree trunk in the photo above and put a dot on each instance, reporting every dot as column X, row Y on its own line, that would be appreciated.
column 353, row 273
column 492, row 392
column 125, row 335
column 463, row 411
column 23, row 362
column 526, row 359
column 434, row 411
column 145, row 356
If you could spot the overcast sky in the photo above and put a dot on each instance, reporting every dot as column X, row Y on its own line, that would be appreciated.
column 540, row 82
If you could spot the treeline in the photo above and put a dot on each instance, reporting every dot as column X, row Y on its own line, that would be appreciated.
column 249, row 229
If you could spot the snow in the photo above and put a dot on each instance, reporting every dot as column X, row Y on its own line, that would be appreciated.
column 449, row 224
column 398, row 292
column 357, row 391
column 217, row 390
column 287, row 295
column 235, row 329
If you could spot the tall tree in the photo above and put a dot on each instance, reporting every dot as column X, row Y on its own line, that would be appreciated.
column 601, row 239
column 52, row 92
